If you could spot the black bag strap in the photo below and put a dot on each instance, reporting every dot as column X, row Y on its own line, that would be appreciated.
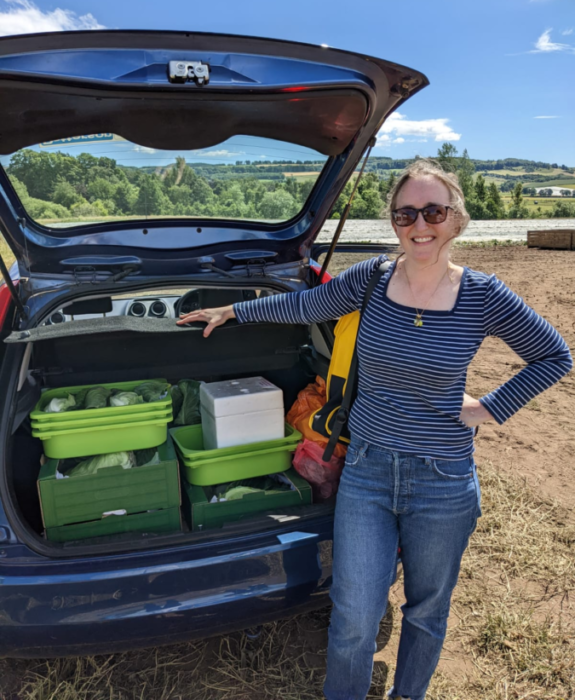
column 342, row 415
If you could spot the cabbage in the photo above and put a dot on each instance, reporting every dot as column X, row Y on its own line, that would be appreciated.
column 125, row 398
column 189, row 412
column 60, row 405
column 97, row 397
column 152, row 390
column 90, row 466
column 239, row 492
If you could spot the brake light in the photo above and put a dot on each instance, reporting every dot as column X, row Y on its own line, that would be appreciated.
column 316, row 267
column 5, row 301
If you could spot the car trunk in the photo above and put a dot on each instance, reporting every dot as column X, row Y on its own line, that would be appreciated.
column 123, row 349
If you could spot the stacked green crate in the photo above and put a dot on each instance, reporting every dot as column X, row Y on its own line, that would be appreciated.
column 201, row 513
column 112, row 500
column 86, row 432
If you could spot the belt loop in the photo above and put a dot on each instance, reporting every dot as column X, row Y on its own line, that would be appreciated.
column 428, row 461
column 363, row 450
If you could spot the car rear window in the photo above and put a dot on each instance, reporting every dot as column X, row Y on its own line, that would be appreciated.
column 103, row 177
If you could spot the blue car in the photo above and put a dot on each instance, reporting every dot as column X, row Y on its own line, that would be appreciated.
column 143, row 175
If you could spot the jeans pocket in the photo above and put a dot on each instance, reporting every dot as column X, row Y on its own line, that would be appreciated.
column 352, row 457
column 453, row 469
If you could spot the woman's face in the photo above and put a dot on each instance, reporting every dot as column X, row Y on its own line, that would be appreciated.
column 423, row 242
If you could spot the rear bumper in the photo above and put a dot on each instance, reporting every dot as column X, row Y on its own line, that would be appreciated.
column 90, row 612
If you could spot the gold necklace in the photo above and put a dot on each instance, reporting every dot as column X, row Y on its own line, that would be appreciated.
column 418, row 320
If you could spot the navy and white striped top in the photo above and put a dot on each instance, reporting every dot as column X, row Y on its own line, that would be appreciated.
column 412, row 380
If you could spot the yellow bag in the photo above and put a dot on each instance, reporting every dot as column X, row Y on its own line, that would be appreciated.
column 331, row 419
column 322, row 420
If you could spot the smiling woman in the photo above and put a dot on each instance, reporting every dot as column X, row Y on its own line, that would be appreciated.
column 105, row 177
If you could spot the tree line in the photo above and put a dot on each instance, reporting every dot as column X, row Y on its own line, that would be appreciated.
column 64, row 187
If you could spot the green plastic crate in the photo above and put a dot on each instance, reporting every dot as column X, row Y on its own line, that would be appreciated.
column 154, row 522
column 114, row 412
column 75, row 423
column 84, row 498
column 200, row 514
column 211, row 467
column 103, row 439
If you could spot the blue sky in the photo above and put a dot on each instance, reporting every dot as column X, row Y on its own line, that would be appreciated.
column 501, row 71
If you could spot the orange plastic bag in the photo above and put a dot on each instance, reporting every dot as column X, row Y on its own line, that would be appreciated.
column 308, row 401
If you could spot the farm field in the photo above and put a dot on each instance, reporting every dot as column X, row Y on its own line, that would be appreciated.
column 512, row 627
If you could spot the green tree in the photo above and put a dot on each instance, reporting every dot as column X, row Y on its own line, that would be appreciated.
column 494, row 203
column 278, row 205
column 480, row 188
column 151, row 200
column 446, row 155
column 66, row 194
column 517, row 210
column 100, row 188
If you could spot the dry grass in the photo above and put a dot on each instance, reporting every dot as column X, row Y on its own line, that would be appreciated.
column 510, row 636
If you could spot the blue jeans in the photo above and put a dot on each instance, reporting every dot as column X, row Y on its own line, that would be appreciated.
column 429, row 508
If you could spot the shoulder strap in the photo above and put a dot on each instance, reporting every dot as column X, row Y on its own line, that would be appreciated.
column 350, row 386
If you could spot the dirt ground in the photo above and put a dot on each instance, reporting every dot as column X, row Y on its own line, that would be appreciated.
column 537, row 443
column 511, row 629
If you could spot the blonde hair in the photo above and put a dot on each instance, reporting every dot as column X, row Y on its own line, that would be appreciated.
column 427, row 167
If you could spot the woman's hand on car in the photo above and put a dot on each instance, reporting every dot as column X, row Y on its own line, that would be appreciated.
column 213, row 317
column 473, row 413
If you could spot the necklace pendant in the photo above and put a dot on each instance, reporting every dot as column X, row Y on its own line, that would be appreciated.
column 418, row 321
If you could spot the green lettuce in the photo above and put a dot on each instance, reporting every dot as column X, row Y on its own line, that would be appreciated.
column 90, row 466
column 125, row 398
column 60, row 405
column 152, row 390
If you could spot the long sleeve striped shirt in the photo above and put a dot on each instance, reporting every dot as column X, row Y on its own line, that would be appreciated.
column 412, row 379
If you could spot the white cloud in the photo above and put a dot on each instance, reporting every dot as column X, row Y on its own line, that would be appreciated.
column 24, row 17
column 144, row 149
column 397, row 125
column 545, row 45
column 546, row 117
column 223, row 153
column 567, row 32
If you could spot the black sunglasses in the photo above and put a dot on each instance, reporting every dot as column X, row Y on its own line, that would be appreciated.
column 432, row 214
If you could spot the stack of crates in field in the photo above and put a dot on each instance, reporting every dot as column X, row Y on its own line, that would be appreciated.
column 242, row 436
column 114, row 499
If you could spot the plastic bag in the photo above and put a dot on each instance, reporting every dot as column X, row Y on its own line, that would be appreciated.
column 308, row 401
column 323, row 476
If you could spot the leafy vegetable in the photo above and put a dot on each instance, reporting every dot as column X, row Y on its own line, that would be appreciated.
column 125, row 398
column 177, row 399
column 149, row 456
column 60, row 405
column 97, row 397
column 239, row 492
column 189, row 413
column 126, row 460
column 152, row 390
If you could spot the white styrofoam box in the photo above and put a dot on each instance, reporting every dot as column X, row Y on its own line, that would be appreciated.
column 240, row 411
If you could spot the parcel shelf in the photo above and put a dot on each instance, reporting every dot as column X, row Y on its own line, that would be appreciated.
column 38, row 414
column 211, row 467
column 200, row 514
column 87, row 497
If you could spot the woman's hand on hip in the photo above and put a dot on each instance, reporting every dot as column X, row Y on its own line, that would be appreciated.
column 473, row 413
column 213, row 317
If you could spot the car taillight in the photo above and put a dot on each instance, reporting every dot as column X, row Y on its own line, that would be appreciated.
column 316, row 267
column 5, row 301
